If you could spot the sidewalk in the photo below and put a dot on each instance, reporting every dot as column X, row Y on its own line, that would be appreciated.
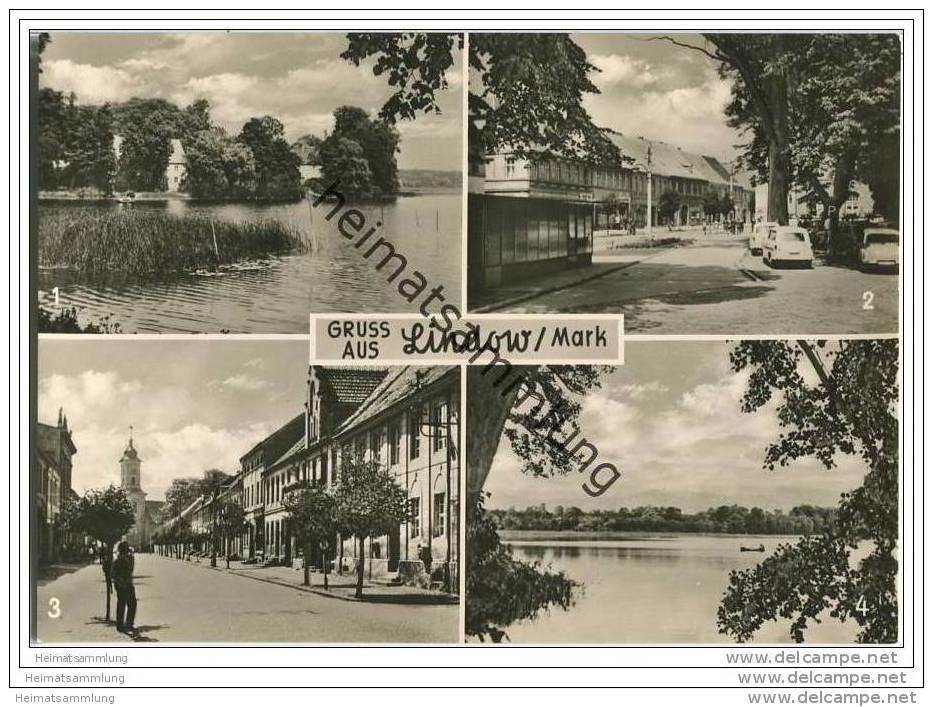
column 340, row 586
column 505, row 295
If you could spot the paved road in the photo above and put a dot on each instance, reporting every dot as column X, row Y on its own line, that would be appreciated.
column 180, row 601
column 701, row 289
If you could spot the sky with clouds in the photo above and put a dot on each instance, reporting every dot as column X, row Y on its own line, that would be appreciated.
column 194, row 404
column 657, row 90
column 670, row 420
column 297, row 77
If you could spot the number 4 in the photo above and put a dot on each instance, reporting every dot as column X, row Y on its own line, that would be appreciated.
column 861, row 606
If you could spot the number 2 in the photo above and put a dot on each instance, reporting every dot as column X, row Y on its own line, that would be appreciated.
column 55, row 609
column 867, row 298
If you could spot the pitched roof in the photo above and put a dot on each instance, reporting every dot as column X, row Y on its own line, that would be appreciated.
column 351, row 384
column 299, row 446
column 400, row 384
column 286, row 434
column 671, row 161
column 178, row 153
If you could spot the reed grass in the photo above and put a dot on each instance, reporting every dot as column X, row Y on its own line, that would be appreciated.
column 138, row 242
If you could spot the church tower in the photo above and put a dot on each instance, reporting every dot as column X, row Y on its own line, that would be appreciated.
column 131, row 482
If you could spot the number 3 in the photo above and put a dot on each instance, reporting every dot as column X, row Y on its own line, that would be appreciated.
column 867, row 298
column 55, row 609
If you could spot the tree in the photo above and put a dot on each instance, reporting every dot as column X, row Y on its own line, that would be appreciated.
column 378, row 140
column 851, row 409
column 277, row 175
column 369, row 503
column 846, row 118
column 500, row 589
column 668, row 203
column 195, row 118
column 42, row 40
column 231, row 521
column 308, row 149
column 343, row 160
column 105, row 515
column 497, row 409
column 312, row 513
column 814, row 105
column 179, row 495
column 526, row 90
column 147, row 127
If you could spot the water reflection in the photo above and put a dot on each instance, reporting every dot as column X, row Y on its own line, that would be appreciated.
column 651, row 590
column 276, row 296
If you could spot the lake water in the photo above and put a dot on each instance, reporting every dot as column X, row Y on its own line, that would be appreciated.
column 662, row 589
column 276, row 297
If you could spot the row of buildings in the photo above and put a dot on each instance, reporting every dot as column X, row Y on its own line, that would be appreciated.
column 531, row 217
column 404, row 418
column 51, row 484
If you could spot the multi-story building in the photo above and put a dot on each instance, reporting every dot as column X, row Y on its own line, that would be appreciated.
column 410, row 426
column 404, row 418
column 52, row 484
column 532, row 217
column 260, row 497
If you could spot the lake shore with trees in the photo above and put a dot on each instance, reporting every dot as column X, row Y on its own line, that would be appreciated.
column 536, row 523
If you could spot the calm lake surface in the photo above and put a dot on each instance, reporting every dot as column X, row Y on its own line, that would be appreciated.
column 276, row 297
column 663, row 589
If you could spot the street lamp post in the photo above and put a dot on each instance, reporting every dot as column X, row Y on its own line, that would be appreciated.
column 646, row 168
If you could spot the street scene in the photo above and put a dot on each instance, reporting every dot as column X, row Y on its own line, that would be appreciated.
column 183, row 601
column 693, row 189
column 712, row 283
column 252, row 498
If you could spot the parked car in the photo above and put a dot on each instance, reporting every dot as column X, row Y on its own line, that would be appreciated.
column 756, row 240
column 788, row 244
column 880, row 248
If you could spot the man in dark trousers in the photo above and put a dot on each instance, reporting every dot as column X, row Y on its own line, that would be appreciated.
column 126, row 592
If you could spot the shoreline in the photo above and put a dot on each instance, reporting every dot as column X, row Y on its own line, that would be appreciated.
column 610, row 535
column 50, row 197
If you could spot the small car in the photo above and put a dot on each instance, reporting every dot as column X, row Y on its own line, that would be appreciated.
column 879, row 249
column 756, row 240
column 788, row 244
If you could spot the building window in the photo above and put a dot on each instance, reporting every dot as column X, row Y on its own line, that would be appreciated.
column 414, row 432
column 440, row 513
column 438, row 426
column 395, row 436
column 414, row 515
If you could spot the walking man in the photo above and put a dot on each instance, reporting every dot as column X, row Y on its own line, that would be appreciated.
column 126, row 592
